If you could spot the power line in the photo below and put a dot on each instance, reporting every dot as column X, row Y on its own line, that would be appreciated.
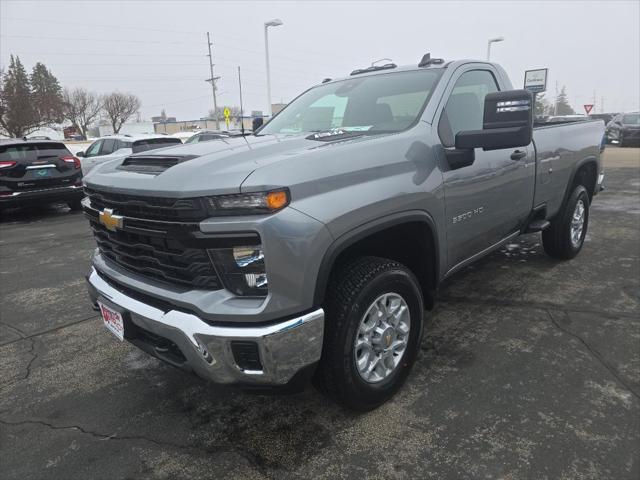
column 103, row 54
column 305, row 51
column 94, row 39
column 94, row 25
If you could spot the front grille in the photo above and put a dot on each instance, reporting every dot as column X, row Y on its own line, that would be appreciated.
column 161, row 258
column 151, row 208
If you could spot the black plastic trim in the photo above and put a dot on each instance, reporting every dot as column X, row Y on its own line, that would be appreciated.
column 363, row 231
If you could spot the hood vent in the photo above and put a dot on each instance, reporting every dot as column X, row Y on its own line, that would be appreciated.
column 153, row 164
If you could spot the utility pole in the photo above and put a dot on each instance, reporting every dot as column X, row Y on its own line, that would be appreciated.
column 213, row 79
column 241, row 110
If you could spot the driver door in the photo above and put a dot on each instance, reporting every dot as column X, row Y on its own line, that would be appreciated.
column 486, row 201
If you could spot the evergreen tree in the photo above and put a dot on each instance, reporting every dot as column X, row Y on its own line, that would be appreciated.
column 17, row 115
column 46, row 95
column 541, row 106
column 563, row 107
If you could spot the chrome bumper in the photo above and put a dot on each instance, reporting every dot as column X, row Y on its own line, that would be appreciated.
column 285, row 348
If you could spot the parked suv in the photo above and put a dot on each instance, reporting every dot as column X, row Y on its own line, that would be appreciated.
column 112, row 147
column 38, row 172
column 624, row 129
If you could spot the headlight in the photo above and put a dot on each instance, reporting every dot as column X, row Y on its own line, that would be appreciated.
column 242, row 269
column 249, row 203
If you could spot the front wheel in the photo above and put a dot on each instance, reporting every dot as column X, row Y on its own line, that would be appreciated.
column 373, row 330
column 565, row 237
column 621, row 139
column 75, row 205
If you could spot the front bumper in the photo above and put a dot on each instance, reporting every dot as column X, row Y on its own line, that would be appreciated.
column 285, row 348
column 55, row 194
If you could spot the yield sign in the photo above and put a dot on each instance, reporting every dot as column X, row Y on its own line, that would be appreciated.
column 588, row 108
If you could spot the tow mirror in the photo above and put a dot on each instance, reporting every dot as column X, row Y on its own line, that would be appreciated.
column 507, row 122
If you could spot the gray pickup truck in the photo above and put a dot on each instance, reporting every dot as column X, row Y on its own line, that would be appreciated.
column 313, row 248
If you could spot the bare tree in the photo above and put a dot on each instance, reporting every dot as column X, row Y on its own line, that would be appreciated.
column 120, row 107
column 81, row 108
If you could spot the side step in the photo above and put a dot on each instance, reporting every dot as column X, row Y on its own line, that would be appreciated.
column 537, row 226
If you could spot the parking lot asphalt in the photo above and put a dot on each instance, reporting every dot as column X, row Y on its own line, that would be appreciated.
column 530, row 368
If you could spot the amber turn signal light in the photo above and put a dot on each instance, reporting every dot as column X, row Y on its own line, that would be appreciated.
column 277, row 200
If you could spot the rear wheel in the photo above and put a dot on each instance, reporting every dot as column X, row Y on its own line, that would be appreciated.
column 565, row 237
column 372, row 332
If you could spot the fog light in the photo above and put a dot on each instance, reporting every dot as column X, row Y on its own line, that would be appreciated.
column 242, row 269
column 256, row 280
column 246, row 256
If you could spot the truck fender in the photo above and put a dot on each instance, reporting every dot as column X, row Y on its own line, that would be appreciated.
column 574, row 172
column 361, row 232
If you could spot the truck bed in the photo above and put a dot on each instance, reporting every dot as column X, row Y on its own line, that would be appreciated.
column 579, row 141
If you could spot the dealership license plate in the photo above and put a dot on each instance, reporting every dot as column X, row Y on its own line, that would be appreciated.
column 112, row 320
column 42, row 173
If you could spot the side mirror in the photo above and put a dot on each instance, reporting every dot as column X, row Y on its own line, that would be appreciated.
column 507, row 122
column 80, row 154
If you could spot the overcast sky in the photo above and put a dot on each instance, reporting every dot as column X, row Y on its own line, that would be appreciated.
column 156, row 49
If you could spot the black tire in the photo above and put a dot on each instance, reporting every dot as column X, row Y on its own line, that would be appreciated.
column 75, row 205
column 352, row 290
column 556, row 239
column 621, row 139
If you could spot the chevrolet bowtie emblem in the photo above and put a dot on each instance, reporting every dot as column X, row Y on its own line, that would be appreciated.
column 109, row 220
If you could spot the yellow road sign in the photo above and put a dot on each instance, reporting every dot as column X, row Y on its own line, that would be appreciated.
column 227, row 113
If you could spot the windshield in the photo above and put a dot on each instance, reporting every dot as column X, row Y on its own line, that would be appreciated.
column 631, row 119
column 378, row 103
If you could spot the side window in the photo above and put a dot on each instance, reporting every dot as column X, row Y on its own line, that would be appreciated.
column 465, row 107
column 108, row 146
column 94, row 149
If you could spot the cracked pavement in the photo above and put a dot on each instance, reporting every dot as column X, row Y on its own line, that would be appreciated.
column 530, row 368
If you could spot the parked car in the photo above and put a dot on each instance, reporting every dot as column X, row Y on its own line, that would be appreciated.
column 113, row 147
column 183, row 136
column 566, row 118
column 206, row 135
column 605, row 117
column 624, row 129
column 38, row 172
column 313, row 247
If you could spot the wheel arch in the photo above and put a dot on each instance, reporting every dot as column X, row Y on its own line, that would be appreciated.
column 366, row 240
column 584, row 173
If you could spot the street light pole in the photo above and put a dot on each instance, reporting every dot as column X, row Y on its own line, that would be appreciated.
column 272, row 23
column 492, row 40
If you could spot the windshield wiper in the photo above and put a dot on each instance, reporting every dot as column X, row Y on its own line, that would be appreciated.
column 335, row 133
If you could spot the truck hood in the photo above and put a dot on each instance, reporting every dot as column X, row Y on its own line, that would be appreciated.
column 213, row 168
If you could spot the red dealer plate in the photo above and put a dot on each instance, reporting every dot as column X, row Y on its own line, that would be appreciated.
column 112, row 320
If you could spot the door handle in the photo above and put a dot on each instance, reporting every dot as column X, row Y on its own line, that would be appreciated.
column 518, row 154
